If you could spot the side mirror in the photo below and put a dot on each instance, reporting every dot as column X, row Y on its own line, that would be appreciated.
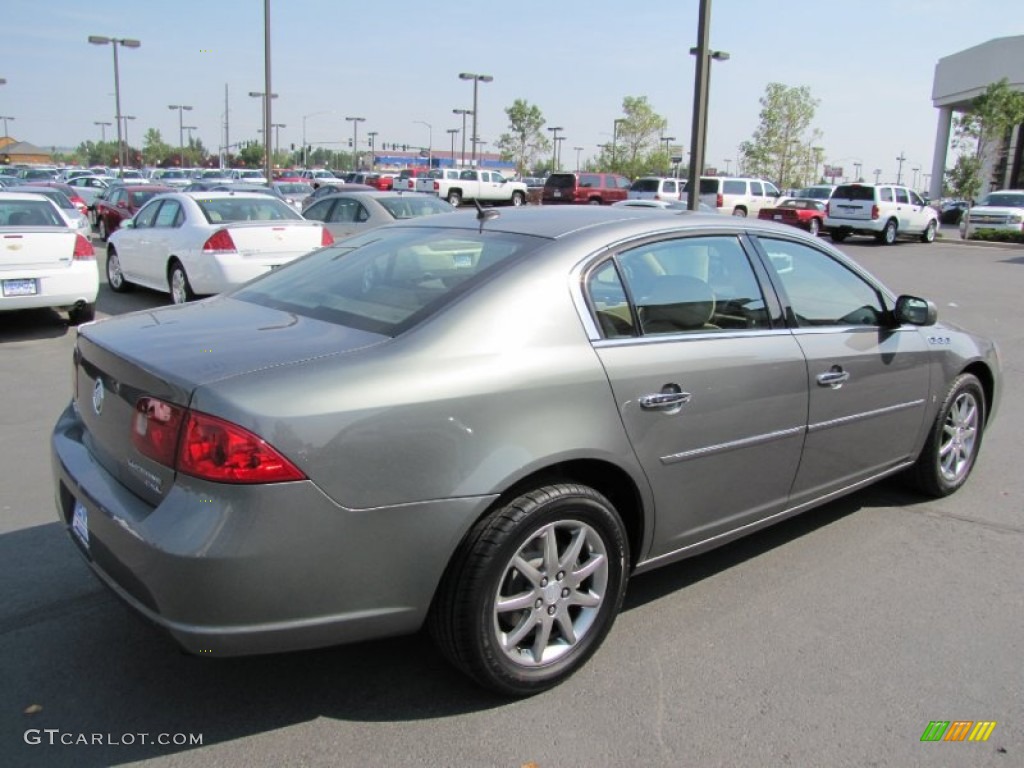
column 915, row 311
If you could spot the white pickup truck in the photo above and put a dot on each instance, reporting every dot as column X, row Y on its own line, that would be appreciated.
column 485, row 186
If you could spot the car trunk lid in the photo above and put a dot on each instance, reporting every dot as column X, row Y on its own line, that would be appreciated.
column 36, row 247
column 167, row 353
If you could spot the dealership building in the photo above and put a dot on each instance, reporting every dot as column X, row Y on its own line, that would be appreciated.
column 959, row 79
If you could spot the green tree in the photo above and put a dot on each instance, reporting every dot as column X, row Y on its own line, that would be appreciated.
column 637, row 149
column 251, row 155
column 982, row 133
column 782, row 147
column 97, row 152
column 155, row 151
column 525, row 139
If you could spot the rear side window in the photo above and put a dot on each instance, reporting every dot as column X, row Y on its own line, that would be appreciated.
column 855, row 192
column 645, row 185
column 885, row 195
column 734, row 187
column 708, row 186
column 590, row 180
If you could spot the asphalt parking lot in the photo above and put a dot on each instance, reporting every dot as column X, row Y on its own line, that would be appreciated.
column 831, row 639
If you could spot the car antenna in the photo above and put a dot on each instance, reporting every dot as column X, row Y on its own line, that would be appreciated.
column 484, row 215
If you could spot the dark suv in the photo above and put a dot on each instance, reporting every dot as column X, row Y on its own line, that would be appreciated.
column 584, row 188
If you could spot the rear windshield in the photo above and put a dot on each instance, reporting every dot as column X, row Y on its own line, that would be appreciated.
column 388, row 280
column 854, row 192
column 1004, row 199
column 561, row 181
column 708, row 186
column 255, row 208
column 294, row 188
column 29, row 213
column 645, row 185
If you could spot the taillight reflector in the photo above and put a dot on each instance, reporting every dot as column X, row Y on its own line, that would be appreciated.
column 718, row 200
column 219, row 241
column 155, row 429
column 83, row 249
column 874, row 211
column 326, row 238
column 437, row 186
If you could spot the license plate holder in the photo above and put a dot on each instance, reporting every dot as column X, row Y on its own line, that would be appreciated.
column 80, row 523
column 23, row 287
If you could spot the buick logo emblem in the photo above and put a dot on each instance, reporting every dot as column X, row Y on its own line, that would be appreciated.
column 97, row 397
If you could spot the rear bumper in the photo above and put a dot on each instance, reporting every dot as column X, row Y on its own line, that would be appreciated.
column 857, row 226
column 257, row 569
column 58, row 287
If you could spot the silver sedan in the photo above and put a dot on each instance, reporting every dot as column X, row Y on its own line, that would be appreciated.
column 486, row 422
column 345, row 212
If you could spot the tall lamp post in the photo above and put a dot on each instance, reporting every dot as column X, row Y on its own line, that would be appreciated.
column 558, row 150
column 181, row 131
column 5, row 118
column 371, row 138
column 899, row 169
column 100, row 123
column 355, row 140
column 277, row 137
column 191, row 128
column 115, row 42
column 453, row 132
column 264, row 125
column 702, row 80
column 615, row 140
column 127, row 143
column 554, row 146
column 477, row 79
column 578, row 150
column 430, row 142
column 464, row 112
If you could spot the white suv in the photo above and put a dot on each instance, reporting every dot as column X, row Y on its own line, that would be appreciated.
column 886, row 211
column 654, row 188
column 738, row 196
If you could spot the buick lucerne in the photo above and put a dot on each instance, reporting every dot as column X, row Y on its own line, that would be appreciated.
column 485, row 423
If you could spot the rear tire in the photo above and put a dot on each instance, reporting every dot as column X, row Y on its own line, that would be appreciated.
column 82, row 313
column 838, row 235
column 888, row 235
column 101, row 229
column 949, row 453
column 533, row 589
column 814, row 227
column 454, row 199
column 177, row 280
column 741, row 212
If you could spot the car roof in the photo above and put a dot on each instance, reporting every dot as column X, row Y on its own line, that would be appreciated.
column 6, row 194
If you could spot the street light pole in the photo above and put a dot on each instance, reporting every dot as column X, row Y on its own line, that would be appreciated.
column 305, row 158
column 554, row 146
column 115, row 42
column 127, row 143
column 878, row 172
column 5, row 118
column 615, row 141
column 477, row 79
column 277, row 137
column 464, row 112
column 100, row 123
column 452, row 132
column 181, row 131
column 702, row 80
column 265, row 122
column 899, row 169
column 430, row 142
column 371, row 136
column 578, row 150
column 355, row 140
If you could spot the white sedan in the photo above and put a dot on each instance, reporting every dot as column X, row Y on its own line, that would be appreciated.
column 43, row 262
column 201, row 243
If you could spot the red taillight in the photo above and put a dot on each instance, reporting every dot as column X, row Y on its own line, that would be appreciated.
column 155, row 429
column 217, row 450
column 437, row 186
column 718, row 200
column 206, row 447
column 220, row 241
column 83, row 249
column 326, row 238
column 79, row 203
column 874, row 211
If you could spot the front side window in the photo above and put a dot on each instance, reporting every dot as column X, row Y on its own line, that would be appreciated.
column 756, row 189
column 144, row 218
column 822, row 291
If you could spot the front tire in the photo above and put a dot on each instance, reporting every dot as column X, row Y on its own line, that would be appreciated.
column 928, row 236
column 518, row 199
column 115, row 276
column 533, row 590
column 177, row 280
column 949, row 453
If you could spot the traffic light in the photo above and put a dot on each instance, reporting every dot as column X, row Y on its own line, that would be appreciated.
column 350, row 142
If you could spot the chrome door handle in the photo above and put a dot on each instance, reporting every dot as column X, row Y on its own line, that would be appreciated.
column 664, row 400
column 834, row 378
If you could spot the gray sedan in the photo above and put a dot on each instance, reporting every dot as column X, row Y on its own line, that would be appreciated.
column 484, row 423
column 345, row 213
